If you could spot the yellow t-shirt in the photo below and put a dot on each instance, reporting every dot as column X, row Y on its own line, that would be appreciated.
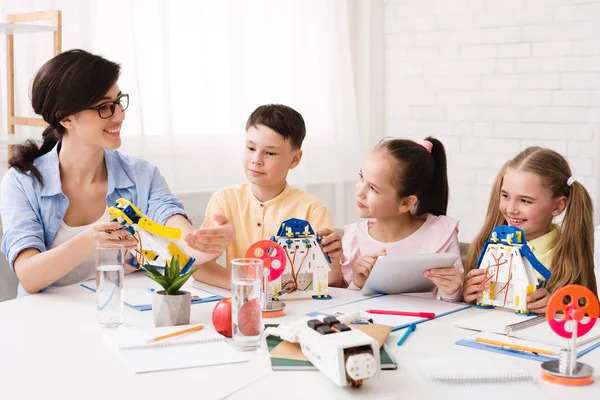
column 543, row 247
column 254, row 221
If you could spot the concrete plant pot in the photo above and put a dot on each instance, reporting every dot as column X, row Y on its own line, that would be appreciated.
column 170, row 310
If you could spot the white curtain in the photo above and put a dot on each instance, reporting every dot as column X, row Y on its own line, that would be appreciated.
column 196, row 69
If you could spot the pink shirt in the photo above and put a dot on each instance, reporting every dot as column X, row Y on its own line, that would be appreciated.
column 436, row 235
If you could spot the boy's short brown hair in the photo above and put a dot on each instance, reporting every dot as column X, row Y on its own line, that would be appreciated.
column 282, row 119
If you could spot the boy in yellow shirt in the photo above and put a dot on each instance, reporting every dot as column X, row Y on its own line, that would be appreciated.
column 274, row 135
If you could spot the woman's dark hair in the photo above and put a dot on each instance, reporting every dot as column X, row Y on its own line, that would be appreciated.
column 65, row 85
column 421, row 172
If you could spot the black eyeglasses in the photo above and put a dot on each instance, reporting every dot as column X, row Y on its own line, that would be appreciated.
column 107, row 110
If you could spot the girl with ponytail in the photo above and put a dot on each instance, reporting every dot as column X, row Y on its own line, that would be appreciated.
column 403, row 190
column 53, row 200
column 529, row 192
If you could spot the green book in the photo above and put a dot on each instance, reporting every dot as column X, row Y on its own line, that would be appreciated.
column 284, row 364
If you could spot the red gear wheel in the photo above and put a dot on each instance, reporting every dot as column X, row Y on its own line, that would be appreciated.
column 572, row 303
column 273, row 257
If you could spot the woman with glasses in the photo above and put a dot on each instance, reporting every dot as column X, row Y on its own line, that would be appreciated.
column 53, row 200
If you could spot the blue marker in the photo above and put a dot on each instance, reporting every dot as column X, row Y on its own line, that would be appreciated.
column 319, row 239
column 408, row 331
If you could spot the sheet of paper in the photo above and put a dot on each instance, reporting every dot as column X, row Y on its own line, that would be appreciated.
column 202, row 348
column 471, row 370
column 494, row 320
column 542, row 333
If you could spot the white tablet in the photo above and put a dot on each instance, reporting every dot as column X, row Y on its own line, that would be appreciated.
column 404, row 273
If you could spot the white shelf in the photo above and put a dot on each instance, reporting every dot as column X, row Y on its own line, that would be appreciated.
column 18, row 138
column 12, row 29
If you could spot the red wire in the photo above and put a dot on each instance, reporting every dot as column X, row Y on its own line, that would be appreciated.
column 508, row 281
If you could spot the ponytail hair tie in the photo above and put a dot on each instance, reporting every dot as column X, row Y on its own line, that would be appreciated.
column 427, row 144
column 571, row 180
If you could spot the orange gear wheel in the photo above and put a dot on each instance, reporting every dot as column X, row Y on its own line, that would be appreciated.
column 272, row 254
column 572, row 303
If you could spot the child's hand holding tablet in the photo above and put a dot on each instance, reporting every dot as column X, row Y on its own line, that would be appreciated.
column 448, row 280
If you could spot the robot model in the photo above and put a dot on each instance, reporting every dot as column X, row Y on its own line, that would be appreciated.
column 346, row 356
column 511, row 270
column 156, row 243
column 297, row 266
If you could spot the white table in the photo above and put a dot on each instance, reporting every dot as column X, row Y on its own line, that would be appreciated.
column 51, row 347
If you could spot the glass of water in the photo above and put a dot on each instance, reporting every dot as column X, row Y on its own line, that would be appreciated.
column 109, row 285
column 246, row 307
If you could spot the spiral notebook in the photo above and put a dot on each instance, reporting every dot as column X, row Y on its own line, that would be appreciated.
column 531, row 328
column 475, row 371
column 200, row 349
column 499, row 321
column 470, row 377
column 519, row 326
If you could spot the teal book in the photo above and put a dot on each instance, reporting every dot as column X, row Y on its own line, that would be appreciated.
column 287, row 364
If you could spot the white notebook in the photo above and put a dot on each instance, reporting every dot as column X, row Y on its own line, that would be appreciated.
column 477, row 377
column 471, row 371
column 542, row 333
column 532, row 328
column 496, row 320
column 199, row 349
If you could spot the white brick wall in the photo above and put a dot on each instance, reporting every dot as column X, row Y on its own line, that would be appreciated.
column 491, row 77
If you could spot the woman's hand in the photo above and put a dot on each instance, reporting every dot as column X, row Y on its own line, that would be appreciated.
column 538, row 300
column 212, row 240
column 448, row 280
column 110, row 233
column 362, row 267
column 472, row 287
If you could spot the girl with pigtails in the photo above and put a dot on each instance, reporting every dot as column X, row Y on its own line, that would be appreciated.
column 530, row 191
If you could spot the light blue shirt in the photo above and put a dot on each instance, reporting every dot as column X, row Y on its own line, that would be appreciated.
column 32, row 213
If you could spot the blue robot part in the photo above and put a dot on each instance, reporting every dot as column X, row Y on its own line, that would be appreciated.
column 295, row 227
column 512, row 235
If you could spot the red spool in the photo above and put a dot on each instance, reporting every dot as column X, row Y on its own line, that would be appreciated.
column 273, row 257
column 572, row 303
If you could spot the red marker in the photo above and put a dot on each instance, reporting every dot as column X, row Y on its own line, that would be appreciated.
column 404, row 313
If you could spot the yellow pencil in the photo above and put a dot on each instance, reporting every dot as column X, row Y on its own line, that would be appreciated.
column 515, row 346
column 178, row 333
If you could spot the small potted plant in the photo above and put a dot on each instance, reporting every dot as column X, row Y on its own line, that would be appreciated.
column 170, row 306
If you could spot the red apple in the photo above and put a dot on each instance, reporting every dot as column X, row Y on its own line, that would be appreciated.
column 221, row 317
column 249, row 318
